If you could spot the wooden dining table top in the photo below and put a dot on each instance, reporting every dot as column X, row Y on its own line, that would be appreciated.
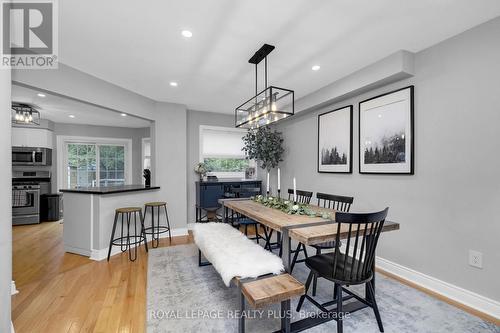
column 271, row 217
column 308, row 234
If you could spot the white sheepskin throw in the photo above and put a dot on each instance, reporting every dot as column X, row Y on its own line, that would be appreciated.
column 232, row 254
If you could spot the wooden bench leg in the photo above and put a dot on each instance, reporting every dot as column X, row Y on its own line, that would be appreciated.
column 241, row 320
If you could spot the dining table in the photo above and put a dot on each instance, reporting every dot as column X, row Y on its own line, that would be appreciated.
column 305, row 229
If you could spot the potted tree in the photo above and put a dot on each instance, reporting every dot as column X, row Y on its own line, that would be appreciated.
column 265, row 146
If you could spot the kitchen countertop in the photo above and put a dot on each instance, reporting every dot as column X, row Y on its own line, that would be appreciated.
column 109, row 189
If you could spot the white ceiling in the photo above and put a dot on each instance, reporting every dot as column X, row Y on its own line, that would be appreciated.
column 58, row 109
column 138, row 45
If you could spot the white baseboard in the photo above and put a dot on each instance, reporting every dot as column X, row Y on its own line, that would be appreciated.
column 13, row 289
column 448, row 290
column 102, row 254
column 77, row 250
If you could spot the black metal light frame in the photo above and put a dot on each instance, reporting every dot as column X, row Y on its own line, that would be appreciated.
column 270, row 95
column 24, row 110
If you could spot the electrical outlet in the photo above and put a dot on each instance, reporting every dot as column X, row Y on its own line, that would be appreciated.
column 475, row 259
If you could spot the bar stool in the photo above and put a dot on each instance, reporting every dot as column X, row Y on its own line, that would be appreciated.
column 156, row 230
column 126, row 240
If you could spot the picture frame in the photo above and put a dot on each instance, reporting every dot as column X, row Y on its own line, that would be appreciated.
column 386, row 133
column 334, row 153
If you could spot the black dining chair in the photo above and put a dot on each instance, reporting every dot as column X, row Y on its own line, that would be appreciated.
column 354, row 266
column 243, row 221
column 341, row 204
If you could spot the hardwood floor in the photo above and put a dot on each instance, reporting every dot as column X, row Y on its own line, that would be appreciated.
column 62, row 292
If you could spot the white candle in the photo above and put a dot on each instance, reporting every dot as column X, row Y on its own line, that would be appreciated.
column 279, row 177
column 294, row 190
column 268, row 181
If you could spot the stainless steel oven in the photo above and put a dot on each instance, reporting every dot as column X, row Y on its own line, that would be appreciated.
column 31, row 156
column 26, row 189
column 25, row 204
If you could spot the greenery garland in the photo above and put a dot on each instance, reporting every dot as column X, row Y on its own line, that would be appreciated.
column 289, row 207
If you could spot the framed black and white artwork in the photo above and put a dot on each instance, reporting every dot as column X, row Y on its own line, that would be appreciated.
column 335, row 141
column 386, row 133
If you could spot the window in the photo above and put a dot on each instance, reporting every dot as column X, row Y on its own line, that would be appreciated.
column 146, row 156
column 146, row 153
column 111, row 165
column 221, row 151
column 81, row 165
column 93, row 162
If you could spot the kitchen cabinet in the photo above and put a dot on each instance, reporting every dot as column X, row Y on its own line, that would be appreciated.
column 32, row 137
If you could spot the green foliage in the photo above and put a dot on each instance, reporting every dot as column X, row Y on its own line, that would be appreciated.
column 225, row 164
column 289, row 207
column 265, row 146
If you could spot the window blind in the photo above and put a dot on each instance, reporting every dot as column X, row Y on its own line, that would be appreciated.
column 220, row 143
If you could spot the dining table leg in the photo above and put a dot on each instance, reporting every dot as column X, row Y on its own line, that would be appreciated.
column 285, row 305
column 285, row 244
column 225, row 213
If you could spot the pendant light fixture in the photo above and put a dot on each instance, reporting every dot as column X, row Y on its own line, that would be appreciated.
column 24, row 114
column 268, row 106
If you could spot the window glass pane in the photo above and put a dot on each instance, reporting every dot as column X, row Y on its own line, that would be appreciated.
column 81, row 163
column 226, row 164
column 147, row 148
column 112, row 165
column 147, row 163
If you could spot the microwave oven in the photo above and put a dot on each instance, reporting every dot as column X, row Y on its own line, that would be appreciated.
column 31, row 156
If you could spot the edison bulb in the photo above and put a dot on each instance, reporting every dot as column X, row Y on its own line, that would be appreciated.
column 273, row 107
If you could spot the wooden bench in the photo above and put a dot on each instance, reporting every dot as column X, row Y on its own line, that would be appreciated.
column 271, row 290
column 260, row 289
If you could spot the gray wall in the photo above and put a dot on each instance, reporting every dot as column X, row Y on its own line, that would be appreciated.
column 169, row 153
column 194, row 120
column 136, row 134
column 168, row 132
column 451, row 203
column 5, row 202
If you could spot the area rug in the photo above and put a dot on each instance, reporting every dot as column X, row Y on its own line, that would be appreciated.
column 182, row 297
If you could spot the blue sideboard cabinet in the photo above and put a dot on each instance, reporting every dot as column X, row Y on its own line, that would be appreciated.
column 208, row 193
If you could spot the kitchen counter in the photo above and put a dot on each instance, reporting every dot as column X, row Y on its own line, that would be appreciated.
column 110, row 189
column 89, row 214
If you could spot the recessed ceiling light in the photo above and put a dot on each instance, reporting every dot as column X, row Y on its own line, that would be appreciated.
column 40, row 95
column 123, row 114
column 187, row 33
column 71, row 116
column 173, row 84
column 316, row 67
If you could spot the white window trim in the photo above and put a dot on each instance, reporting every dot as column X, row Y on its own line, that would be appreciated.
column 62, row 158
column 201, row 157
